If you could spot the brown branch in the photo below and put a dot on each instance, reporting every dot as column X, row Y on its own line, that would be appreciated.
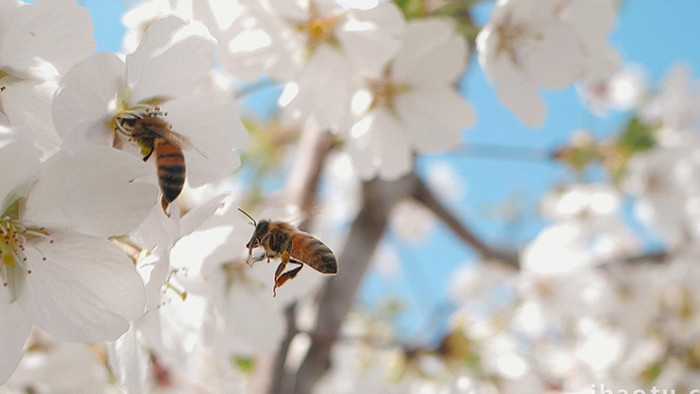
column 279, row 375
column 303, row 181
column 657, row 257
column 425, row 196
column 301, row 190
column 338, row 294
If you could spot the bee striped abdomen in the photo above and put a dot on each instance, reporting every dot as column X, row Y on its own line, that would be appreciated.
column 314, row 253
column 171, row 169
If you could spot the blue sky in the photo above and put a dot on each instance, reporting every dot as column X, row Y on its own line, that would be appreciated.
column 656, row 35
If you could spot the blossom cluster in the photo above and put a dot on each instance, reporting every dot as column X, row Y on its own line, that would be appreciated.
column 590, row 304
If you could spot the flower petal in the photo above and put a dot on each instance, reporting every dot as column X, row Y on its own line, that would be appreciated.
column 87, row 135
column 86, row 290
column 516, row 91
column 431, row 54
column 556, row 60
column 434, row 118
column 173, row 58
column 370, row 38
column 20, row 159
column 27, row 104
column 47, row 38
column 379, row 146
column 89, row 92
column 324, row 88
column 214, row 127
column 93, row 191
column 129, row 361
column 14, row 331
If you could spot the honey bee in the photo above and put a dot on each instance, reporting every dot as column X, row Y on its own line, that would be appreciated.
column 151, row 132
column 291, row 245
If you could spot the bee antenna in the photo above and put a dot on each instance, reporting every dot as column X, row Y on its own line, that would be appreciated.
column 253, row 222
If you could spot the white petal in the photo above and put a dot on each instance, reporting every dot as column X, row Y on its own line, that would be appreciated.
column 8, row 10
column 261, row 330
column 603, row 65
column 89, row 92
column 93, row 191
column 179, row 327
column 379, row 146
column 397, row 155
column 295, row 10
column 195, row 218
column 434, row 118
column 556, row 60
column 516, row 91
column 592, row 19
column 53, row 33
column 87, row 135
column 86, row 291
column 27, row 104
column 371, row 38
column 14, row 331
column 172, row 60
column 129, row 361
column 214, row 127
column 255, row 47
column 432, row 53
column 324, row 88
column 527, row 105
column 21, row 163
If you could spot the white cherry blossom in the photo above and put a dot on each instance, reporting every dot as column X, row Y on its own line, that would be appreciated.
column 675, row 108
column 162, row 74
column 623, row 91
column 414, row 106
column 50, row 365
column 319, row 48
column 665, row 182
column 39, row 43
column 59, row 271
column 179, row 309
column 539, row 44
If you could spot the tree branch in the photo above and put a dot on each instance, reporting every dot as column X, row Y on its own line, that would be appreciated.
column 301, row 189
column 338, row 293
column 280, row 377
column 425, row 196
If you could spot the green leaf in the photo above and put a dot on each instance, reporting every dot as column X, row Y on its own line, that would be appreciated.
column 245, row 364
column 637, row 136
column 412, row 8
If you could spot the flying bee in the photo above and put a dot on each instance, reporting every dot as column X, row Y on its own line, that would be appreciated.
column 291, row 245
column 152, row 133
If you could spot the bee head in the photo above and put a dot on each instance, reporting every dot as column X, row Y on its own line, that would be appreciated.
column 126, row 123
column 260, row 231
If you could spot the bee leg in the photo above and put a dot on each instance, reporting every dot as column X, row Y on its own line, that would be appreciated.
column 283, row 278
column 147, row 154
column 252, row 260
column 286, row 256
column 165, row 204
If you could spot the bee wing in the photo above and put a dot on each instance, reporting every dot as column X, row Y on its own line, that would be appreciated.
column 176, row 139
